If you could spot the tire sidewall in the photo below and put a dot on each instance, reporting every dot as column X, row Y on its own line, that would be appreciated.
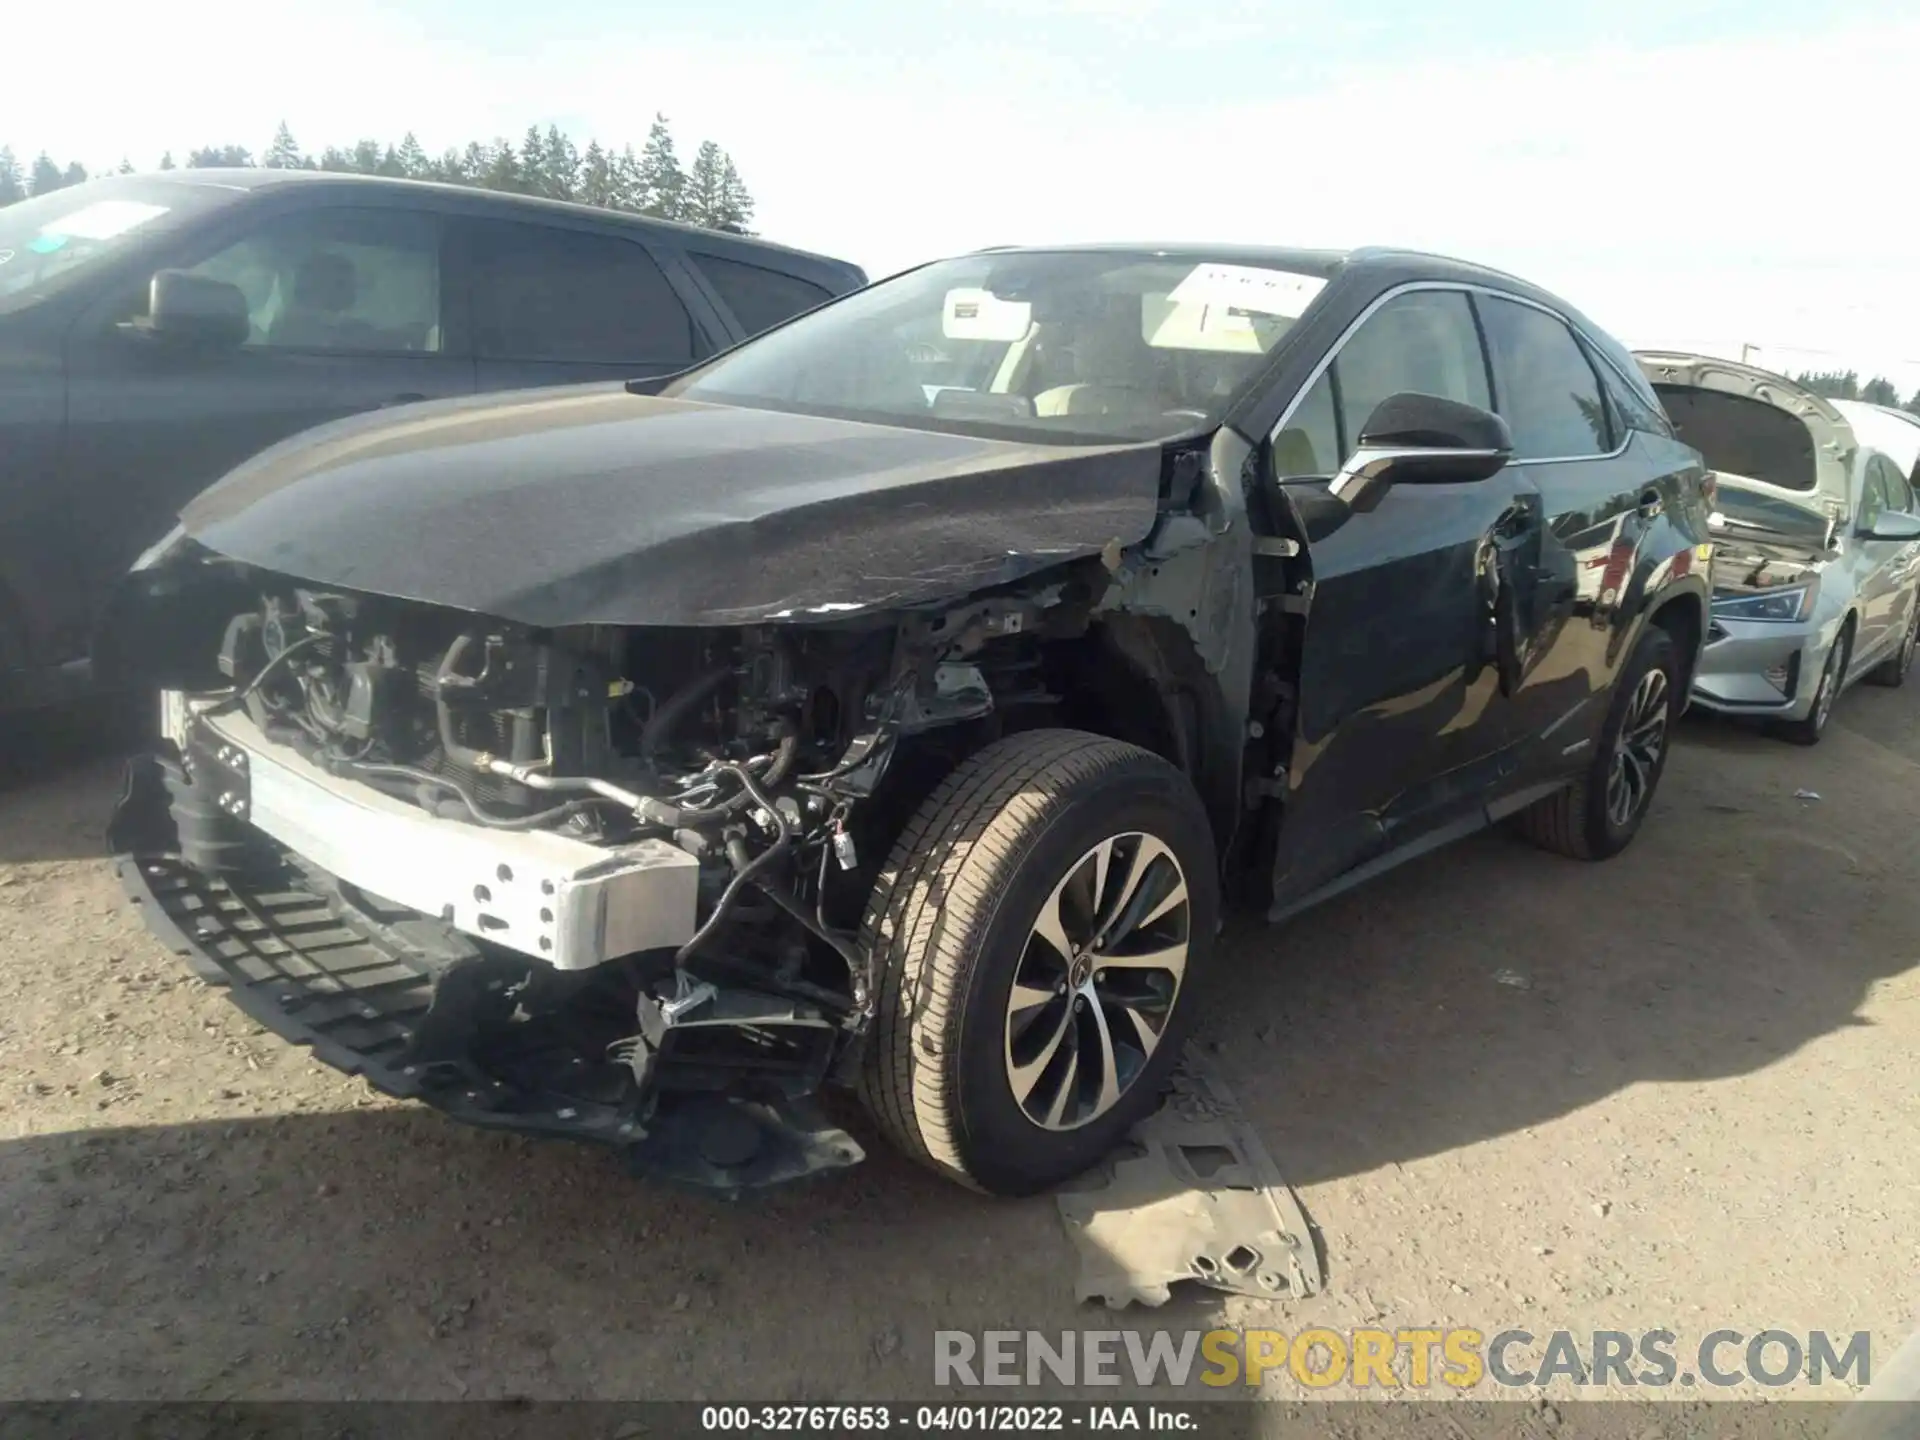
column 1004, row 1149
column 1654, row 650
column 1835, row 668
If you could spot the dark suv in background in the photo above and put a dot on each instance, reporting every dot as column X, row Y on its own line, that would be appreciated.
column 155, row 330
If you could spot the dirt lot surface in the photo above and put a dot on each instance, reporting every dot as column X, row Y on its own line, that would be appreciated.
column 1690, row 1101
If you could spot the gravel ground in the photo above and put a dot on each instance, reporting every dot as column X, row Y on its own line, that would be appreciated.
column 1688, row 1100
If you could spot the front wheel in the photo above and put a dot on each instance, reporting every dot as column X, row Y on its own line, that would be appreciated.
column 1596, row 816
column 1035, row 935
column 1833, row 675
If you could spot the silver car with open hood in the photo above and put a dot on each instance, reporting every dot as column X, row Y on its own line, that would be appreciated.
column 1816, row 539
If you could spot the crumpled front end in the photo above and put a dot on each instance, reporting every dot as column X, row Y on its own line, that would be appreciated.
column 594, row 881
column 620, row 1052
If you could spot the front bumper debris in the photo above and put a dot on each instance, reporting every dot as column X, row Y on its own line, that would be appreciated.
column 551, row 897
column 423, row 1012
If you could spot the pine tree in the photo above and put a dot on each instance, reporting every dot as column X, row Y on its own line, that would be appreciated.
column 215, row 157
column 336, row 160
column 283, row 153
column 13, row 185
column 126, row 166
column 736, row 205
column 366, row 157
column 701, row 202
column 1879, row 391
column 596, row 177
column 413, row 157
column 503, row 170
column 629, row 190
column 560, row 166
column 662, row 182
column 166, row 161
column 76, row 174
column 46, row 175
column 533, row 162
column 1832, row 384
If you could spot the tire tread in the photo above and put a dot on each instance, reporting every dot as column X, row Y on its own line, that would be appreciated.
column 934, row 894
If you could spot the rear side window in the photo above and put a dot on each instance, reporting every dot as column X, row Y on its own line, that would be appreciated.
column 759, row 298
column 1549, row 394
column 568, row 295
column 1631, row 408
column 1742, row 436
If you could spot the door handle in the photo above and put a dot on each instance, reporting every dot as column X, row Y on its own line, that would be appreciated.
column 406, row 399
column 1650, row 504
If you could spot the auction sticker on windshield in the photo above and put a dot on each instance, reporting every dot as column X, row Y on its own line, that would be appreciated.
column 1249, row 287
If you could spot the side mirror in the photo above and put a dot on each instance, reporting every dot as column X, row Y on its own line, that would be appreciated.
column 1892, row 525
column 1421, row 440
column 196, row 310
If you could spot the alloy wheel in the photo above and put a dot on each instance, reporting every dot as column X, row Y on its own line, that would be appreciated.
column 1636, row 755
column 1097, row 981
column 1829, row 686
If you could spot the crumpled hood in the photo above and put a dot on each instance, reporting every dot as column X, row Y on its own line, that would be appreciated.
column 589, row 505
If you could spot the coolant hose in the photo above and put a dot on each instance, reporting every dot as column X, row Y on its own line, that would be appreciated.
column 455, row 752
column 743, row 875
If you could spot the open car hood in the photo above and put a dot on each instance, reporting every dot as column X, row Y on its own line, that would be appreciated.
column 589, row 505
column 1781, row 456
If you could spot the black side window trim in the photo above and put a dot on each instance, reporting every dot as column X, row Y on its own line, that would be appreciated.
column 697, row 260
column 1327, row 364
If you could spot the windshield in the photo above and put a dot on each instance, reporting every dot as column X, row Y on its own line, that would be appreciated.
column 1063, row 345
column 49, row 240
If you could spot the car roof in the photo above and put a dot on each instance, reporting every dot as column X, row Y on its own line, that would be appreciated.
column 1893, row 434
column 1417, row 264
column 256, row 178
column 1385, row 265
column 1320, row 263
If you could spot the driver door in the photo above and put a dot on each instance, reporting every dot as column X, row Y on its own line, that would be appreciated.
column 1402, row 721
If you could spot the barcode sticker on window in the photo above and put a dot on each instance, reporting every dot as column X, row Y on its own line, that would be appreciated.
column 1249, row 288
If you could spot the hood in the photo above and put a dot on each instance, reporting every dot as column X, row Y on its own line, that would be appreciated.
column 1782, row 457
column 589, row 505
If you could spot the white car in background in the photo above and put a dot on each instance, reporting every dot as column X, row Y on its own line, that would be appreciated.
column 1816, row 539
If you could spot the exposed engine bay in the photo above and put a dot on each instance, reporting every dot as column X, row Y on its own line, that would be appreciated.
column 641, row 855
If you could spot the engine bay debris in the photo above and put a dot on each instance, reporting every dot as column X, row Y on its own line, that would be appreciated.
column 1193, row 1195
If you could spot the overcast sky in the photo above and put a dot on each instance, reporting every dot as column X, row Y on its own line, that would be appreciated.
column 1691, row 175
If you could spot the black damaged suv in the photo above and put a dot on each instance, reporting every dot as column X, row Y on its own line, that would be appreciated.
column 892, row 702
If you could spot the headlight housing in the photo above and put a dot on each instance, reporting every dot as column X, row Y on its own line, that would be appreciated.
column 1781, row 606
